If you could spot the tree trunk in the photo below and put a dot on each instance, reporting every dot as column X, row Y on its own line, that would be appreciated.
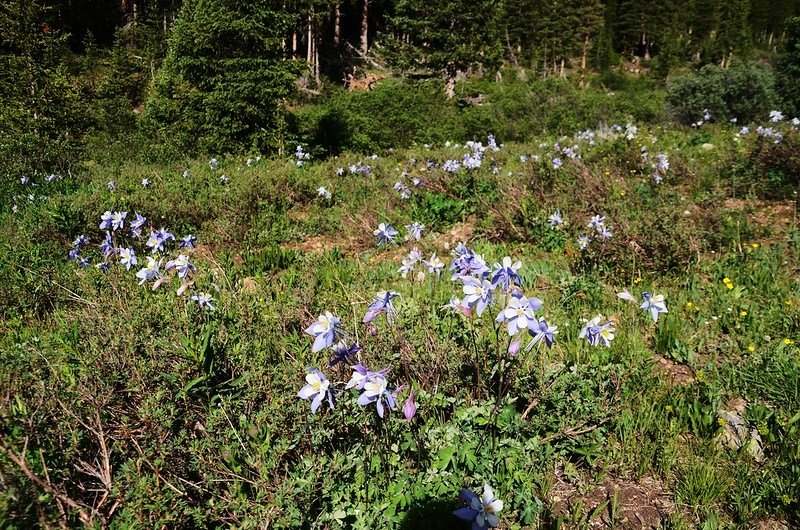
column 309, row 44
column 450, row 81
column 561, row 71
column 365, row 27
column 317, row 78
column 337, row 22
column 294, row 44
column 584, row 51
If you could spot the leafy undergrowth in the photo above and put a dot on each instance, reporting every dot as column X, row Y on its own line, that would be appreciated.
column 167, row 396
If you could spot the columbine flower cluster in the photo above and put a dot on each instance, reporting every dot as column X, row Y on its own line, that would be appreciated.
column 660, row 167
column 598, row 331
column 451, row 166
column 707, row 117
column 474, row 158
column 482, row 285
column 409, row 263
column 372, row 385
column 360, row 169
column 602, row 230
column 116, row 243
column 586, row 136
column 405, row 191
column 386, row 233
column 770, row 133
column 300, row 155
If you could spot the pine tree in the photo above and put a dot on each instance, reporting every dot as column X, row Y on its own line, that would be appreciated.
column 447, row 36
column 42, row 118
column 225, row 76
column 787, row 71
column 734, row 35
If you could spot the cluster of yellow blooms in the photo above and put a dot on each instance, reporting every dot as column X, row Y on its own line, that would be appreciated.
column 728, row 283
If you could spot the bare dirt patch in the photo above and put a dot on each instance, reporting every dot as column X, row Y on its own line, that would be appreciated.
column 458, row 233
column 677, row 374
column 775, row 214
column 634, row 504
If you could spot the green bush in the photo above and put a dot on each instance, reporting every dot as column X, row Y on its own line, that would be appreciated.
column 399, row 113
column 745, row 92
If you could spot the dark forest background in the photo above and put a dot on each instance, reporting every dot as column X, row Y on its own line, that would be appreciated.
column 171, row 78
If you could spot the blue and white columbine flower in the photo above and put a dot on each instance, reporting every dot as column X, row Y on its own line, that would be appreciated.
column 317, row 389
column 106, row 219
column 596, row 222
column 127, row 257
column 481, row 511
column 542, row 331
column 435, row 265
column 506, row 275
column 204, row 300
column 137, row 224
column 653, row 303
column 385, row 233
column 182, row 265
column 555, row 221
column 324, row 331
column 415, row 231
column 598, row 331
column 107, row 246
column 375, row 390
column 518, row 314
column 150, row 271
column 188, row 242
column 382, row 303
column 478, row 293
column 118, row 220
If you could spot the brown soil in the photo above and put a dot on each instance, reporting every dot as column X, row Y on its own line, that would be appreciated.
column 676, row 374
column 640, row 503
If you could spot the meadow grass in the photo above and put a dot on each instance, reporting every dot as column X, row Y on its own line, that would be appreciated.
column 135, row 407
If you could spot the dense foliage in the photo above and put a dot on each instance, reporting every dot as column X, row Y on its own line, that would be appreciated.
column 788, row 68
column 224, row 79
column 41, row 113
column 167, row 395
column 743, row 93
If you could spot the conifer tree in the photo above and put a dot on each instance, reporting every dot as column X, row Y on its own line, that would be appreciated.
column 41, row 115
column 224, row 78
column 447, row 36
column 787, row 71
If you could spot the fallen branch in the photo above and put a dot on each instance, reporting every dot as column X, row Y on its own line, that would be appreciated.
column 573, row 431
column 19, row 461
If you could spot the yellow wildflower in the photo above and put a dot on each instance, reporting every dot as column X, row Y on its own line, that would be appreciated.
column 751, row 348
